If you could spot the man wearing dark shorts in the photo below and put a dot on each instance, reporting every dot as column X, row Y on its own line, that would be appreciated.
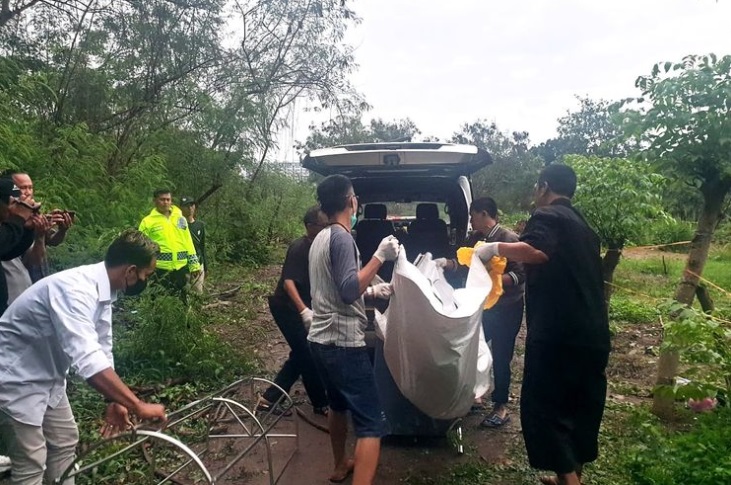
column 337, row 337
column 567, row 346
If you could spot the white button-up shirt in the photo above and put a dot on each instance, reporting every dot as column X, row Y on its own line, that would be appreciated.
column 63, row 321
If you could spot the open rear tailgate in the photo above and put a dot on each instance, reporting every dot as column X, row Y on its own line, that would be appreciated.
column 381, row 159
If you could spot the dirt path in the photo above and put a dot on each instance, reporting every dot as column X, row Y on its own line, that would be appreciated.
column 630, row 373
column 400, row 460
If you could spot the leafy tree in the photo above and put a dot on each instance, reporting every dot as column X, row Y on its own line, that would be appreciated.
column 104, row 101
column 684, row 118
column 397, row 130
column 591, row 130
column 512, row 174
column 348, row 128
column 290, row 49
column 617, row 196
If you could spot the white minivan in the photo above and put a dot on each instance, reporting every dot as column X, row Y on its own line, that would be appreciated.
column 420, row 192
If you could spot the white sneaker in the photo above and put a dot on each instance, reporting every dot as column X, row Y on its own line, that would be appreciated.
column 5, row 463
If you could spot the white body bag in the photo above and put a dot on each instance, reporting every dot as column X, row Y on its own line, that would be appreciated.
column 433, row 340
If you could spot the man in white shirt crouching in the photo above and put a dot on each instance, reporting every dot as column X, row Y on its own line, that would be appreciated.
column 65, row 321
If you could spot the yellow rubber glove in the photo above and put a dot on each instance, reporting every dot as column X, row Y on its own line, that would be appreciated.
column 495, row 268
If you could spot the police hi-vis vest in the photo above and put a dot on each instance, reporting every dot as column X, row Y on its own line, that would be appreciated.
column 173, row 237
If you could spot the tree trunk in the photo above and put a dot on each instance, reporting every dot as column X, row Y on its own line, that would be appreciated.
column 609, row 264
column 704, row 298
column 714, row 194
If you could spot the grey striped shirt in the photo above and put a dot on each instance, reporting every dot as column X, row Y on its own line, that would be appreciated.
column 340, row 317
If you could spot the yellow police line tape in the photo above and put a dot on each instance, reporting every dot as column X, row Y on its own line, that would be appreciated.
column 652, row 298
column 655, row 246
column 710, row 283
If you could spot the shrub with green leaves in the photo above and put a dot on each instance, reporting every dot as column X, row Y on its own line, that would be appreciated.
column 617, row 196
column 704, row 344
column 630, row 310
column 164, row 340
column 668, row 231
column 698, row 456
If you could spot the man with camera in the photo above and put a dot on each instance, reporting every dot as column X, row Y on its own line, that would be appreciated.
column 49, row 230
column 17, row 221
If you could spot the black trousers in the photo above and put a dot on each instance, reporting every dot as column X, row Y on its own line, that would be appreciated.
column 562, row 404
column 173, row 281
column 300, row 361
column 501, row 324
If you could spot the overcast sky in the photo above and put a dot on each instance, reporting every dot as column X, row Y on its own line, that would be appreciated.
column 517, row 62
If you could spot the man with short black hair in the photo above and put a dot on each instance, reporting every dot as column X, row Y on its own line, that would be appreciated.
column 290, row 306
column 197, row 230
column 501, row 323
column 337, row 337
column 65, row 321
column 567, row 345
column 167, row 226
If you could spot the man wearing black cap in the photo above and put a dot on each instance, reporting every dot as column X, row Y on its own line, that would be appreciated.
column 18, row 219
column 198, row 233
column 17, row 224
column 23, row 271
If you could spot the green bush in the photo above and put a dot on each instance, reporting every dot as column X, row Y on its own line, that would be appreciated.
column 698, row 456
column 704, row 344
column 158, row 338
column 629, row 310
column 668, row 232
column 722, row 234
column 245, row 223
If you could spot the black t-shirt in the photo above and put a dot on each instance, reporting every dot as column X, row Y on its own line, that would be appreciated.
column 198, row 233
column 565, row 296
column 296, row 268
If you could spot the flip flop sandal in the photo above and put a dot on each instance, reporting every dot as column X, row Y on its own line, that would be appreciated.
column 549, row 480
column 495, row 421
column 275, row 410
column 344, row 477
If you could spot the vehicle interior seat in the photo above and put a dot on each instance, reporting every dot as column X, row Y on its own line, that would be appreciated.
column 371, row 230
column 428, row 233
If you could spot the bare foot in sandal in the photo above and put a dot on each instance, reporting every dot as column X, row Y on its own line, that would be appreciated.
column 340, row 474
column 570, row 479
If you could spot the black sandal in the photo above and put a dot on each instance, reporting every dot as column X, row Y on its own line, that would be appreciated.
column 495, row 421
column 264, row 407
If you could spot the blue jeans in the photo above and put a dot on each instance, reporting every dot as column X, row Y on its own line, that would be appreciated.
column 501, row 325
column 351, row 386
